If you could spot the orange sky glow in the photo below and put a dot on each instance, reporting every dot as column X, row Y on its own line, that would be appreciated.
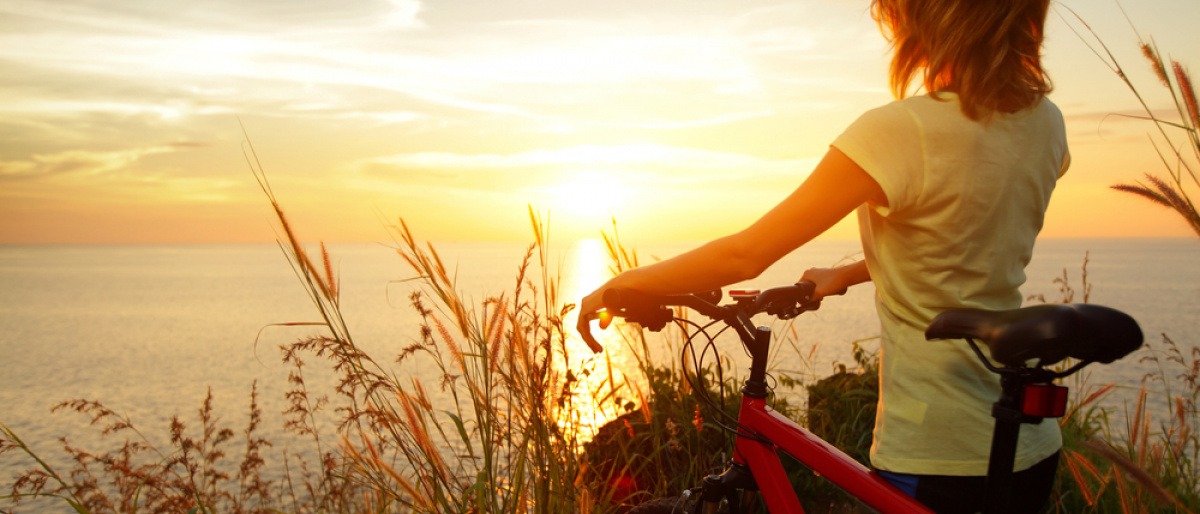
column 683, row 120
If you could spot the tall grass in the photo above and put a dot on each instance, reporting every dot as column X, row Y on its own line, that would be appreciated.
column 1124, row 460
column 492, row 438
column 1131, row 459
column 193, row 474
column 496, row 431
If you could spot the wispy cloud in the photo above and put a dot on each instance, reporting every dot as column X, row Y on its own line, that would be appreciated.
column 122, row 174
column 646, row 166
column 276, row 50
column 77, row 163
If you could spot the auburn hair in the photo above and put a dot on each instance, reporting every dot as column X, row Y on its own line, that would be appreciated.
column 988, row 52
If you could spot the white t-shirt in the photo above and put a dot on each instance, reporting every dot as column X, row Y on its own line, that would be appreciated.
column 966, row 200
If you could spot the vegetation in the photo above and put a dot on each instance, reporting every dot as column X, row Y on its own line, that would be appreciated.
column 1178, row 142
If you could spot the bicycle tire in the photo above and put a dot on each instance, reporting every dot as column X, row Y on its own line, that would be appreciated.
column 671, row 505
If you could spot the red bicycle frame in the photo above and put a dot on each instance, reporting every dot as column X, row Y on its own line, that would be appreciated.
column 762, row 432
column 823, row 458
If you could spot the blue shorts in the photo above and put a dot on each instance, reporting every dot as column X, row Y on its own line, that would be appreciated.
column 1031, row 489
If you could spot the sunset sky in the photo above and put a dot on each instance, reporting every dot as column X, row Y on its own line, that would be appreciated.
column 683, row 119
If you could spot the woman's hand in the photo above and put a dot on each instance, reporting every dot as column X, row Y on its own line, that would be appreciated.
column 592, row 307
column 592, row 303
column 835, row 281
column 828, row 281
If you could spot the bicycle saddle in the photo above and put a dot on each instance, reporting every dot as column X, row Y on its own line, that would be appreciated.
column 1049, row 333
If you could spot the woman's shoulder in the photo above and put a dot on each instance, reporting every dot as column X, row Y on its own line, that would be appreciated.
column 932, row 105
column 941, row 113
column 1049, row 109
column 944, row 108
column 894, row 114
column 913, row 109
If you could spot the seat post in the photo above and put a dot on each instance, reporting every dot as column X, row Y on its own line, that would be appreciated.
column 1007, row 412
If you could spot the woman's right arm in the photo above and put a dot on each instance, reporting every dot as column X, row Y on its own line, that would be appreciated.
column 834, row 189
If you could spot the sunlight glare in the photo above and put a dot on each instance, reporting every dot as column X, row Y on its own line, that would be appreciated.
column 589, row 270
column 589, row 196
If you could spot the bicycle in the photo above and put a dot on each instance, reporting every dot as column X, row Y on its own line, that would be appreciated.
column 1047, row 334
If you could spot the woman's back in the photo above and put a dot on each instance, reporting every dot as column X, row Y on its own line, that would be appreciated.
column 966, row 199
column 965, row 202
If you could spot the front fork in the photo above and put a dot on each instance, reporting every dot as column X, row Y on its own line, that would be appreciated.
column 734, row 487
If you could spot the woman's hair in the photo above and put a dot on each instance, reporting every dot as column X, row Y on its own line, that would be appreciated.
column 988, row 52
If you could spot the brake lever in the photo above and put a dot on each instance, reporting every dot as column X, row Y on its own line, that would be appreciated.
column 654, row 320
column 782, row 312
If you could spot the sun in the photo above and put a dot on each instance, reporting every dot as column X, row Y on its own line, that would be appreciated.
column 587, row 196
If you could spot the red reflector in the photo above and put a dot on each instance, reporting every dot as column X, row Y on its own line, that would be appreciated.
column 1044, row 400
column 743, row 293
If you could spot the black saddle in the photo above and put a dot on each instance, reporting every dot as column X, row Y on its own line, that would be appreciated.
column 1048, row 333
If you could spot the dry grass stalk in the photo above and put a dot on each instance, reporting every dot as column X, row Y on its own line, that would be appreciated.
column 1187, row 92
column 1133, row 470
column 1179, row 159
column 193, row 474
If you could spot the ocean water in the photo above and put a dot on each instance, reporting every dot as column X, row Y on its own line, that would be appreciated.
column 151, row 330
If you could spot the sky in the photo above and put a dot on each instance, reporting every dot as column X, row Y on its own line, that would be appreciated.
column 121, row 121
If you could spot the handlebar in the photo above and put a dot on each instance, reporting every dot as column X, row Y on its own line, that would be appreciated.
column 655, row 311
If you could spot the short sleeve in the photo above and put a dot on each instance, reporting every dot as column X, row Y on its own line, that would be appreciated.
column 886, row 142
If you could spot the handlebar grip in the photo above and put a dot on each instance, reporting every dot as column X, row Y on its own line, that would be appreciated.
column 647, row 310
column 787, row 302
column 807, row 287
column 634, row 306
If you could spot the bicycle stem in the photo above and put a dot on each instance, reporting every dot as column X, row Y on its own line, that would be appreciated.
column 759, row 346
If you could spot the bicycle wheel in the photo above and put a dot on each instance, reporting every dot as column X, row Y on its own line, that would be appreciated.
column 673, row 505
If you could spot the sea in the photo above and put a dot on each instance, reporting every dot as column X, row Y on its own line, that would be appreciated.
column 152, row 331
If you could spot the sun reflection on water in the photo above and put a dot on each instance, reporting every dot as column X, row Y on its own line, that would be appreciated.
column 603, row 389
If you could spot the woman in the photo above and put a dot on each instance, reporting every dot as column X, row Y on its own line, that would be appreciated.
column 951, row 188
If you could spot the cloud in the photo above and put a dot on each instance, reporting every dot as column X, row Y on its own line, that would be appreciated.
column 78, row 163
column 649, row 166
column 626, row 155
column 248, row 52
column 114, row 174
column 406, row 13
column 580, row 67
